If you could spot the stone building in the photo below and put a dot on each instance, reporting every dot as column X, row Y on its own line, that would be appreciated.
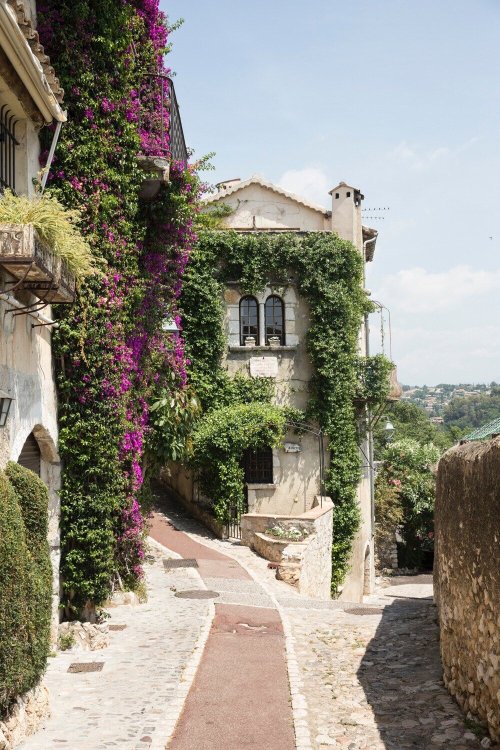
column 31, row 279
column 266, row 336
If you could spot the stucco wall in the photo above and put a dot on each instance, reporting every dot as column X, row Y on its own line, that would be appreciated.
column 26, row 374
column 257, row 207
column 467, row 576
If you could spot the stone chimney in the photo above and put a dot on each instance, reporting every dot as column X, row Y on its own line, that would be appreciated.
column 346, row 213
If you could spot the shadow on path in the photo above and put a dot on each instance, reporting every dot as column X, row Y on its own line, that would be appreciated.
column 401, row 676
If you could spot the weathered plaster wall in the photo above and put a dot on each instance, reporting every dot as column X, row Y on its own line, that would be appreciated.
column 256, row 207
column 26, row 374
column 467, row 576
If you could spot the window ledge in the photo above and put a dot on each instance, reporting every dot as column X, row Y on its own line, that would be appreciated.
column 262, row 349
column 252, row 486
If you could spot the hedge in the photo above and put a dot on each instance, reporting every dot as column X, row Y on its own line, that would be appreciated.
column 25, row 582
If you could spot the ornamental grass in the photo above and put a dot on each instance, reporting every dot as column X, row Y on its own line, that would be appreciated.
column 56, row 225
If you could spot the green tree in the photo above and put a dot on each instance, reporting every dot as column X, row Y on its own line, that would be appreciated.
column 409, row 467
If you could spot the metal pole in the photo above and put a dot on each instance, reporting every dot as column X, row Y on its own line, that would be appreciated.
column 51, row 155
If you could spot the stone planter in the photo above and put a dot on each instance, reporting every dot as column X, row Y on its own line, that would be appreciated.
column 34, row 265
column 274, row 342
column 250, row 341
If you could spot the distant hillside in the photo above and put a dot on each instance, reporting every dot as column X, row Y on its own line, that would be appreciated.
column 435, row 401
column 473, row 411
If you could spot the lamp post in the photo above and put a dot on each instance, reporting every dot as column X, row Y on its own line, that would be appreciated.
column 5, row 402
column 170, row 326
column 389, row 431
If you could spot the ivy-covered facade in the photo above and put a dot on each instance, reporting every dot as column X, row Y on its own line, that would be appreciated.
column 112, row 355
column 274, row 303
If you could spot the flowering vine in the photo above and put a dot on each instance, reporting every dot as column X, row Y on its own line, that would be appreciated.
column 114, row 358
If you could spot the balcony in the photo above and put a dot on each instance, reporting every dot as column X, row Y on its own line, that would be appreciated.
column 161, row 132
column 34, row 266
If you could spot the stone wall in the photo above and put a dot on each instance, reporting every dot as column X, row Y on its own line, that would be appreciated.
column 26, row 716
column 467, row 577
column 307, row 564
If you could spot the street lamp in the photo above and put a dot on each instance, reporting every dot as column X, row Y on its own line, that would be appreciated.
column 5, row 402
column 170, row 325
column 389, row 431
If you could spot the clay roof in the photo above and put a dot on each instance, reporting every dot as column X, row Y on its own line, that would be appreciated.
column 31, row 35
column 256, row 180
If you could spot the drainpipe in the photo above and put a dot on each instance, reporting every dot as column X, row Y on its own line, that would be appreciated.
column 371, row 472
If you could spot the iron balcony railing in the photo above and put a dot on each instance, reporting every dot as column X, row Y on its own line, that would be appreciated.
column 160, row 120
column 8, row 145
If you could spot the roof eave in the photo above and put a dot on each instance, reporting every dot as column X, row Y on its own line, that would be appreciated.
column 27, row 66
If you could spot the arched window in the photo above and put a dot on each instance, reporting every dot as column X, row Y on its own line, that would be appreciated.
column 275, row 319
column 249, row 319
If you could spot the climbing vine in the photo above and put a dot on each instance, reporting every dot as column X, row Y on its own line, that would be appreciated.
column 115, row 359
column 327, row 272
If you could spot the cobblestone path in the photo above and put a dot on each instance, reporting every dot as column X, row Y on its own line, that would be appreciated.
column 369, row 676
column 134, row 702
column 374, row 680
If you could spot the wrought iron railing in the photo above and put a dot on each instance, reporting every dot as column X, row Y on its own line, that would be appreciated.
column 160, row 122
column 8, row 145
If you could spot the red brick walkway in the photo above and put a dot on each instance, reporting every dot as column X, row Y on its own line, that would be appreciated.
column 240, row 697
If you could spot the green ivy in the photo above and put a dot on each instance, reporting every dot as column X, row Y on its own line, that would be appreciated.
column 328, row 272
column 220, row 440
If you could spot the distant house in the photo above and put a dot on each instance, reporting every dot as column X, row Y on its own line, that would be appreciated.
column 266, row 335
column 31, row 279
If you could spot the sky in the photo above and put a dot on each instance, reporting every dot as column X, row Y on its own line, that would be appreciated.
column 400, row 98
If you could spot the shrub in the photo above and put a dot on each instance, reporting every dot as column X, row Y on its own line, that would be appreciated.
column 25, row 588
column 33, row 497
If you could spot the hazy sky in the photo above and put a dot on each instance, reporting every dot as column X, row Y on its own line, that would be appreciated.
column 400, row 98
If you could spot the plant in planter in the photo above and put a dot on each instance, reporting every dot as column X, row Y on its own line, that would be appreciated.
column 56, row 226
column 291, row 533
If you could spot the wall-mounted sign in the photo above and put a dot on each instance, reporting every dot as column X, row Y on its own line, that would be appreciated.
column 264, row 367
column 292, row 448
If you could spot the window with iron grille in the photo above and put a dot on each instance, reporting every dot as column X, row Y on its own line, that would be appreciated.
column 249, row 319
column 275, row 318
column 8, row 145
column 258, row 466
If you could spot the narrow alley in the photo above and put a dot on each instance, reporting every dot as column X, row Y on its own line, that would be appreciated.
column 359, row 676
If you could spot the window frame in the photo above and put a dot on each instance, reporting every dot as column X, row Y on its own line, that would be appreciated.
column 258, row 466
column 282, row 334
column 249, row 298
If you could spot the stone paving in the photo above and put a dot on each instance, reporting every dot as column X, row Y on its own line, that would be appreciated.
column 374, row 680
column 135, row 700
column 364, row 679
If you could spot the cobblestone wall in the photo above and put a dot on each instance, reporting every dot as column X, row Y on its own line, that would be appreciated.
column 467, row 577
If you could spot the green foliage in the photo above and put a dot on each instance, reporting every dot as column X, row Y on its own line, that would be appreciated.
column 389, row 513
column 172, row 417
column 470, row 412
column 33, row 497
column 214, row 217
column 56, row 225
column 327, row 272
column 66, row 641
column 373, row 378
column 410, row 421
column 25, row 586
column 220, row 440
column 409, row 467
